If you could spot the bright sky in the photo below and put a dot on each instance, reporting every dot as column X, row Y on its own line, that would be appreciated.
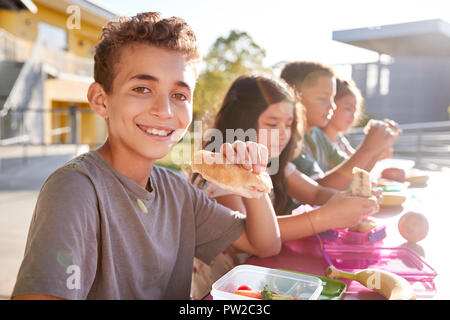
column 291, row 29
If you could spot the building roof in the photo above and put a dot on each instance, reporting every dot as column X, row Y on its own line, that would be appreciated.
column 91, row 10
column 418, row 38
column 17, row 5
column 98, row 8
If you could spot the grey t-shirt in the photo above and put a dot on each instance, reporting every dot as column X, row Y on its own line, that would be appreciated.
column 96, row 234
column 318, row 155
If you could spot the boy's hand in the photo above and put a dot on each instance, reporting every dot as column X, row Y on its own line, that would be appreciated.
column 345, row 210
column 250, row 155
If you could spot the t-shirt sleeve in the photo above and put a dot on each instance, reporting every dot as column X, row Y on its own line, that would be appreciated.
column 308, row 165
column 344, row 145
column 61, row 252
column 334, row 155
column 290, row 168
column 217, row 227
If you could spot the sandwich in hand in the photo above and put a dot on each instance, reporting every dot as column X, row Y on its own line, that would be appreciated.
column 361, row 185
column 365, row 225
column 231, row 177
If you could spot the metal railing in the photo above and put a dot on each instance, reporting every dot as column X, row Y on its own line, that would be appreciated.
column 427, row 143
column 13, row 48
column 20, row 140
column 26, row 80
column 17, row 49
column 22, row 126
column 18, row 147
column 63, row 122
column 67, row 62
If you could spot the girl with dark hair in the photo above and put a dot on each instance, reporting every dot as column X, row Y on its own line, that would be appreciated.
column 264, row 109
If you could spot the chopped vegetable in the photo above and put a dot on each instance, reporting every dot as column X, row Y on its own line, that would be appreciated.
column 266, row 294
column 244, row 288
column 249, row 293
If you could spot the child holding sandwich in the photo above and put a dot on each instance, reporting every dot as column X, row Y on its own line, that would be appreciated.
column 112, row 225
column 314, row 86
column 266, row 105
column 348, row 101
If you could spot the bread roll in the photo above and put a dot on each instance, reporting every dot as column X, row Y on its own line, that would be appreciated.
column 231, row 177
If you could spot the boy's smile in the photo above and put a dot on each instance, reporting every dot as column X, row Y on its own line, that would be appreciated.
column 157, row 132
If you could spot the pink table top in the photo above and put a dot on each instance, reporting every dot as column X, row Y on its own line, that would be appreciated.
column 304, row 255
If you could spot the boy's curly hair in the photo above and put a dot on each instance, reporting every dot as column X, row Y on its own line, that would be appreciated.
column 149, row 28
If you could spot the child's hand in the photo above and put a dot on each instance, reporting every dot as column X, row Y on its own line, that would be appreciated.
column 393, row 126
column 345, row 210
column 380, row 137
column 250, row 155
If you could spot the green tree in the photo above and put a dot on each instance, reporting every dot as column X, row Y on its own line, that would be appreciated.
column 229, row 57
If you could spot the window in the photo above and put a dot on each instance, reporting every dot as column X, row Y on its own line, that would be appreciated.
column 52, row 37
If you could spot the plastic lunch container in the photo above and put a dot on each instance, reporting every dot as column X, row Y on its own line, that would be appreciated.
column 300, row 286
column 344, row 236
column 400, row 260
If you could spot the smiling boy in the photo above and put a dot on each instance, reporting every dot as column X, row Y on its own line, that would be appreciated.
column 112, row 225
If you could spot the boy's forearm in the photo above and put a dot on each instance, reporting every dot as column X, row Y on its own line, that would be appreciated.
column 262, row 228
column 372, row 163
column 341, row 176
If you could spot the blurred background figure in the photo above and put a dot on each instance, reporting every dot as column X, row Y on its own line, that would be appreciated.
column 348, row 113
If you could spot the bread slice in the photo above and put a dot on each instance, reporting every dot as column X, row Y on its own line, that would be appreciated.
column 361, row 185
column 231, row 177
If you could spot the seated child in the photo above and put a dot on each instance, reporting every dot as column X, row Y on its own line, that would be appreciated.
column 112, row 225
column 269, row 115
column 314, row 86
column 348, row 101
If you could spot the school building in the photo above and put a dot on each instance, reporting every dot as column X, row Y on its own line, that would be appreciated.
column 410, row 82
column 46, row 66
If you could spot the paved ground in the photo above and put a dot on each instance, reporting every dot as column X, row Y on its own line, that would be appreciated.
column 19, row 187
column 16, row 209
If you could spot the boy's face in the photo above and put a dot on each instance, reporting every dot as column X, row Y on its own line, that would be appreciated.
column 318, row 101
column 150, row 105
